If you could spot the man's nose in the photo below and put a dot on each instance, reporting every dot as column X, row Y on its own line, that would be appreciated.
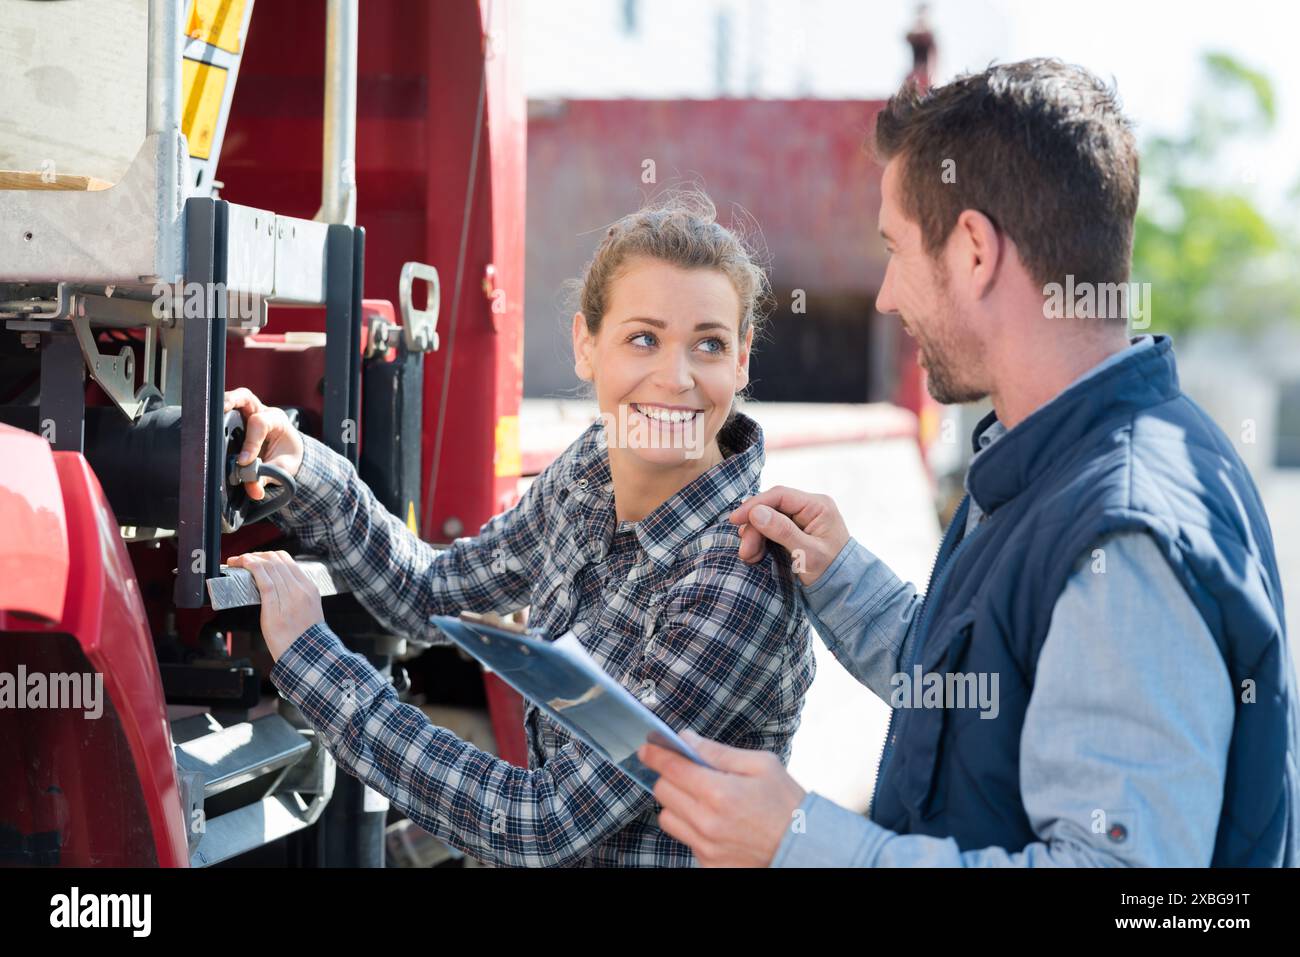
column 885, row 298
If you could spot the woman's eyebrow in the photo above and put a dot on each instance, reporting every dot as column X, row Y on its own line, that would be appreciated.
column 660, row 324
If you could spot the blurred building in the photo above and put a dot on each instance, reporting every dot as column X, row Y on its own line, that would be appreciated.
column 794, row 175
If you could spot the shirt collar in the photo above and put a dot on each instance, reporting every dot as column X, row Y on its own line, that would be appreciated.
column 1153, row 375
column 664, row 532
column 989, row 429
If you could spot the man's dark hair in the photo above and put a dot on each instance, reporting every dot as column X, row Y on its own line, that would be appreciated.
column 1040, row 147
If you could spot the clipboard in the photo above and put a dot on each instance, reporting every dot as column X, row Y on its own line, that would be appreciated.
column 562, row 679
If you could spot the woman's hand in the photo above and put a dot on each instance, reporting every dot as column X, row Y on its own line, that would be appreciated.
column 290, row 600
column 268, row 435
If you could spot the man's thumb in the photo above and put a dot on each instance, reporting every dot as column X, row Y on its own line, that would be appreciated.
column 722, row 757
column 776, row 527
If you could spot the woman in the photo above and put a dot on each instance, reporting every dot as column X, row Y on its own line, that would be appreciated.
column 623, row 539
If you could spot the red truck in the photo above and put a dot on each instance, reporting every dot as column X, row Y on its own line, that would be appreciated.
column 357, row 257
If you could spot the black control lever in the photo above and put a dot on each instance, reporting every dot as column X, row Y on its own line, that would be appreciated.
column 240, row 509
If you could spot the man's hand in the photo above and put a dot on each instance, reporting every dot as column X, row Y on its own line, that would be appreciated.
column 813, row 533
column 735, row 816
column 268, row 435
column 290, row 600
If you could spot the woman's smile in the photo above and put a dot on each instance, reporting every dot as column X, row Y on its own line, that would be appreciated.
column 666, row 414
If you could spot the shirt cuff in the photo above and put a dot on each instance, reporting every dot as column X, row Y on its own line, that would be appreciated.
column 824, row 834
column 832, row 569
column 326, row 682
column 849, row 588
column 321, row 479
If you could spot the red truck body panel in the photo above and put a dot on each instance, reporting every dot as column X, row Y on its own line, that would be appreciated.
column 105, row 787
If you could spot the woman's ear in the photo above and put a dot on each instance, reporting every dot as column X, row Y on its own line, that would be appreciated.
column 742, row 359
column 583, row 342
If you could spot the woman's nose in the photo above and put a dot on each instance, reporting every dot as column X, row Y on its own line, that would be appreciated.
column 674, row 371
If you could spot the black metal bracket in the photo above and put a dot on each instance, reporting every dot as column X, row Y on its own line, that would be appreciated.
column 203, row 381
column 390, row 459
column 63, row 392
column 203, row 386
column 344, row 281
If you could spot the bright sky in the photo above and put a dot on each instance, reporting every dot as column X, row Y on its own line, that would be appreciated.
column 855, row 48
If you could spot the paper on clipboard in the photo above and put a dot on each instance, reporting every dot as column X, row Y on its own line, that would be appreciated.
column 562, row 679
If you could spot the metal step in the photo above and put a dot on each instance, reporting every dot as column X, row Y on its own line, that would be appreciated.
column 231, row 756
column 287, row 777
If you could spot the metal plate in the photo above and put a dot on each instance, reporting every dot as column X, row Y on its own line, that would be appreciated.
column 250, row 250
column 299, row 260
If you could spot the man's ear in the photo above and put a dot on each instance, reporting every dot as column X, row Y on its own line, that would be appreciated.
column 980, row 250
column 582, row 346
column 742, row 359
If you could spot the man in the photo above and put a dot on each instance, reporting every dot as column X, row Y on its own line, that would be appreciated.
column 1110, row 573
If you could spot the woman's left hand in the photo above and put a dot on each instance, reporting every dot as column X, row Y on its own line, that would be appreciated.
column 290, row 600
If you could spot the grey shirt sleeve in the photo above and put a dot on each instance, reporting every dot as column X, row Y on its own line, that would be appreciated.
column 863, row 613
column 1125, row 742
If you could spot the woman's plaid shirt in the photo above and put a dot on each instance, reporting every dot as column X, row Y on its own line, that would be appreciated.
column 665, row 605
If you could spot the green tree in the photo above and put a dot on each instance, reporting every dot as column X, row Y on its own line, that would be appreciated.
column 1212, row 257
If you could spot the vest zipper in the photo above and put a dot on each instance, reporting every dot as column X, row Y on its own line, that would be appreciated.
column 932, row 589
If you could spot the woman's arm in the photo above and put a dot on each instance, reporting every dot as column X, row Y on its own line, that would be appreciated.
column 732, row 663
column 482, row 805
column 478, row 803
column 398, row 577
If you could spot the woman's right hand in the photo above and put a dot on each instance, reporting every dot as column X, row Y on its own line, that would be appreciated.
column 268, row 435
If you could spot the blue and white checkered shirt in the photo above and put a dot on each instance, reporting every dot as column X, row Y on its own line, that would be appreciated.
column 665, row 605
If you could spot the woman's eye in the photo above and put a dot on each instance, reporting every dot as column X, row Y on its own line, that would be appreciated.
column 714, row 344
column 636, row 337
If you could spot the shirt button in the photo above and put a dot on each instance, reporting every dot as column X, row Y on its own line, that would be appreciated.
column 582, row 483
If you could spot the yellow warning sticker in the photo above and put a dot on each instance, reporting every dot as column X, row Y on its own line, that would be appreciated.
column 216, row 22
column 202, row 86
column 508, row 458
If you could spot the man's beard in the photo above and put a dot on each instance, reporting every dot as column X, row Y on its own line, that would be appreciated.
column 939, row 346
column 942, row 382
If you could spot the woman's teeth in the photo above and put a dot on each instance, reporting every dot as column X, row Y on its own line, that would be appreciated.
column 664, row 415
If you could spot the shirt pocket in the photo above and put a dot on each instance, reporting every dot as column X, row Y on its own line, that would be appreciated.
column 927, row 730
